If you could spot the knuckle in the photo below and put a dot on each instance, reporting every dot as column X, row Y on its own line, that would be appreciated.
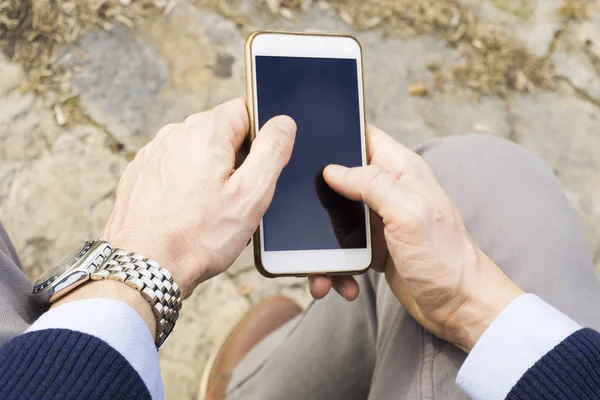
column 428, row 172
column 239, row 122
column 232, row 123
column 219, row 120
column 228, row 122
column 142, row 156
column 375, row 178
column 240, row 102
column 280, row 145
column 420, row 169
column 403, row 227
column 196, row 121
column 217, row 114
column 413, row 220
column 422, row 208
column 375, row 172
column 166, row 129
column 247, row 198
column 235, row 187
column 262, row 198
column 234, row 114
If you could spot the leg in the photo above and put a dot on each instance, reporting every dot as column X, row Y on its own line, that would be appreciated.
column 515, row 210
column 17, row 311
column 326, row 353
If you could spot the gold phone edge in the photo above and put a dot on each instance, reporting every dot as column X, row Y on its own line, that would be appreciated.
column 256, row 239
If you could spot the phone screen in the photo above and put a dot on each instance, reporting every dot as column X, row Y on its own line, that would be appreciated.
column 322, row 96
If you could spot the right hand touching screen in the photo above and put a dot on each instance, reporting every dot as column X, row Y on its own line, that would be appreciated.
column 433, row 266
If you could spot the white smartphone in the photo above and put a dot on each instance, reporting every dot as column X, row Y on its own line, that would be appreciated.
column 317, row 80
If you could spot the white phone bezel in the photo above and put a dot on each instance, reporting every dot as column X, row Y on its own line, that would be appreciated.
column 304, row 262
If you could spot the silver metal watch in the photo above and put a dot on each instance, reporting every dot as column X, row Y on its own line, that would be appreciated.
column 98, row 260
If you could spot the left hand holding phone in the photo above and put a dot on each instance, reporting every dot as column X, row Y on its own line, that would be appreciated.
column 183, row 202
column 431, row 263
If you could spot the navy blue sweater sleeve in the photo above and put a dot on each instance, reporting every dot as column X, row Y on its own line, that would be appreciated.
column 64, row 364
column 569, row 371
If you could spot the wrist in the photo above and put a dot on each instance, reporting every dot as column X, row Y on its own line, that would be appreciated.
column 108, row 289
column 172, row 261
column 484, row 296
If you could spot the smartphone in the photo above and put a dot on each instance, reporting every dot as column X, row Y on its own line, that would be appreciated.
column 317, row 80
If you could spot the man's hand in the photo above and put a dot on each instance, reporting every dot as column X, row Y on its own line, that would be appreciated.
column 182, row 201
column 436, row 271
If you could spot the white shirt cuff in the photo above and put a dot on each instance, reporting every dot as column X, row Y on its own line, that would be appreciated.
column 117, row 324
column 523, row 333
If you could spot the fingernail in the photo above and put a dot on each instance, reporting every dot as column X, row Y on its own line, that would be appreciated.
column 285, row 123
column 335, row 171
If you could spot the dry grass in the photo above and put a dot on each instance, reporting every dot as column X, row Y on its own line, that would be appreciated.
column 575, row 10
column 521, row 8
column 493, row 63
column 31, row 32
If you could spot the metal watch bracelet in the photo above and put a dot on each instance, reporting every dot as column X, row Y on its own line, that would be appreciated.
column 153, row 282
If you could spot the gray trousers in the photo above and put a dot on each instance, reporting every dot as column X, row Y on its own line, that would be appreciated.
column 17, row 309
column 516, row 212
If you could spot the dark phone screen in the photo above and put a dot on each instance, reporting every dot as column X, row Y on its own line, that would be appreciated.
column 321, row 95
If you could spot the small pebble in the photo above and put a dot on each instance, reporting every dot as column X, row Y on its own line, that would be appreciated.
column 479, row 127
column 417, row 89
column 286, row 13
column 245, row 289
column 59, row 115
column 347, row 17
column 169, row 7
column 274, row 6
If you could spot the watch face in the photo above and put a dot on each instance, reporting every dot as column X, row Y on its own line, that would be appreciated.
column 64, row 265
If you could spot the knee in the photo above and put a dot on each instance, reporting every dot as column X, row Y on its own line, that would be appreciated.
column 478, row 151
column 484, row 155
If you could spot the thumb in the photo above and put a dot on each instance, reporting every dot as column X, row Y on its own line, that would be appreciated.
column 370, row 184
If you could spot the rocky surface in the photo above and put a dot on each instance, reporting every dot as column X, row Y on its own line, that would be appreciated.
column 577, row 58
column 121, row 78
column 58, row 182
column 532, row 23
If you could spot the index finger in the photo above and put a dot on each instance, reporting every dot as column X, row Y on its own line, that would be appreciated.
column 270, row 152
column 233, row 121
column 226, row 125
column 389, row 154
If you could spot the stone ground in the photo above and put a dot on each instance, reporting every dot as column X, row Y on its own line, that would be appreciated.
column 58, row 182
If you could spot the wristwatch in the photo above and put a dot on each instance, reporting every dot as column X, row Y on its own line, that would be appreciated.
column 98, row 260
